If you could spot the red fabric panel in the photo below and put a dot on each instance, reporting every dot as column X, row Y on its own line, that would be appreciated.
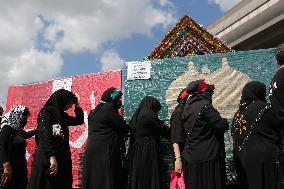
column 88, row 88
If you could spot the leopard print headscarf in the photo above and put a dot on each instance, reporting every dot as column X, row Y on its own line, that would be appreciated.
column 13, row 117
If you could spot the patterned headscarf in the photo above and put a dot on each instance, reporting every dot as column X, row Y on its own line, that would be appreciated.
column 13, row 117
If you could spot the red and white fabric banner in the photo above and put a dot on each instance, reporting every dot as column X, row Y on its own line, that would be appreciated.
column 88, row 88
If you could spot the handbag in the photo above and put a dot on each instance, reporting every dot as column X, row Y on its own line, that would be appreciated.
column 177, row 180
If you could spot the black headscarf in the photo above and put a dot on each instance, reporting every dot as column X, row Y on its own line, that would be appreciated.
column 147, row 103
column 59, row 100
column 111, row 96
column 199, row 86
column 201, row 91
column 202, row 96
column 253, row 91
column 252, row 106
column 193, row 86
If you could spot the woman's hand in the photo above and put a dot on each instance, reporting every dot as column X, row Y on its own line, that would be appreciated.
column 178, row 165
column 53, row 168
column 76, row 102
column 7, row 173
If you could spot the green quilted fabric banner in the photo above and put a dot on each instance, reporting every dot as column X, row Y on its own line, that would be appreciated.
column 228, row 71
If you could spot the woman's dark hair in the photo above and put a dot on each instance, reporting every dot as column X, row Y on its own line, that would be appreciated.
column 1, row 111
column 279, row 54
column 26, row 112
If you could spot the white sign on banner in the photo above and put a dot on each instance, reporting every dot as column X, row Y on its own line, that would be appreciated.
column 62, row 84
column 138, row 70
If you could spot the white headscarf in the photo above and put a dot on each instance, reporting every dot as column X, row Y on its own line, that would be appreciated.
column 13, row 117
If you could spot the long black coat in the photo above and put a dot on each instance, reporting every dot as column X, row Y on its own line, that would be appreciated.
column 204, row 130
column 13, row 149
column 49, row 145
column 102, row 157
column 204, row 151
column 276, row 97
column 146, row 161
column 256, row 160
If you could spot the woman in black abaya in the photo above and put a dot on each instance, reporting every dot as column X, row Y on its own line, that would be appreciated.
column 102, row 157
column 256, row 140
column 276, row 97
column 145, row 170
column 52, row 166
column 177, row 130
column 14, row 174
column 203, row 156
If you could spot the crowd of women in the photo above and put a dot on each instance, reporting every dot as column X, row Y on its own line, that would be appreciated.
column 196, row 133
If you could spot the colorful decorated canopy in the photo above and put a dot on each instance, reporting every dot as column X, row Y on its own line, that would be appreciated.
column 187, row 37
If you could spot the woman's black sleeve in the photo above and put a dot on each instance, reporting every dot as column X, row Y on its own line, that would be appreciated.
column 46, row 139
column 117, row 121
column 77, row 120
column 177, row 129
column 219, row 124
column 5, row 143
column 29, row 134
column 162, row 129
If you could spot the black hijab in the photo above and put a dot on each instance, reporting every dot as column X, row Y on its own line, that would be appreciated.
column 252, row 106
column 147, row 103
column 202, row 94
column 59, row 100
column 198, row 86
column 111, row 96
column 253, row 91
column 193, row 86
